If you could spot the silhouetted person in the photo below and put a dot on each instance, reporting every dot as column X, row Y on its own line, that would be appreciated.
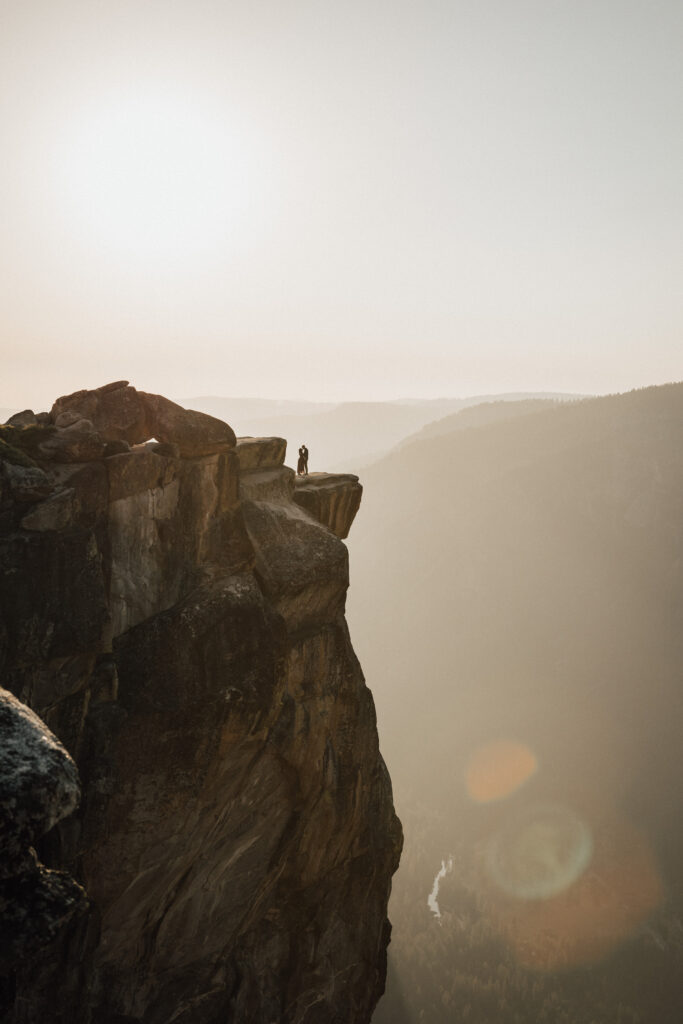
column 304, row 452
column 301, row 464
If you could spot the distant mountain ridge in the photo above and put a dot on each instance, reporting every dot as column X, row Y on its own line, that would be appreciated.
column 484, row 414
column 345, row 435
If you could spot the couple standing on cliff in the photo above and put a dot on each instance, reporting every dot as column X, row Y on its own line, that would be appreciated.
column 302, row 464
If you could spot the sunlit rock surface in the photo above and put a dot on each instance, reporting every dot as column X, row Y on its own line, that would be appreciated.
column 178, row 622
column 260, row 452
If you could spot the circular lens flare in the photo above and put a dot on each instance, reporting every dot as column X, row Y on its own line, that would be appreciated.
column 550, row 922
column 540, row 853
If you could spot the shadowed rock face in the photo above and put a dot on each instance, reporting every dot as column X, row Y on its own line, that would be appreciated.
column 179, row 624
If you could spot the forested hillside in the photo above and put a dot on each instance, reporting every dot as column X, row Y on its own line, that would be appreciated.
column 520, row 583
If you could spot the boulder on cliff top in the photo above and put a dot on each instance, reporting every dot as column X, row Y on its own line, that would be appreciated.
column 118, row 412
column 195, row 433
column 115, row 410
column 25, row 418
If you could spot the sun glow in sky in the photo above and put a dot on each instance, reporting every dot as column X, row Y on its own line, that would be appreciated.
column 151, row 176
column 340, row 201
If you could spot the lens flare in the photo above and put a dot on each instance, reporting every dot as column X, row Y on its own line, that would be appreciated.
column 498, row 769
column 540, row 853
column 550, row 922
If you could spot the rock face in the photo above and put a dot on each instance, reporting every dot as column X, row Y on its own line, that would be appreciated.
column 263, row 477
column 331, row 498
column 178, row 622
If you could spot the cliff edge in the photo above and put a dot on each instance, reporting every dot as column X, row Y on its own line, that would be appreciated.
column 172, row 607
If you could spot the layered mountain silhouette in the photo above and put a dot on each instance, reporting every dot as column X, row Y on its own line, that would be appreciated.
column 343, row 436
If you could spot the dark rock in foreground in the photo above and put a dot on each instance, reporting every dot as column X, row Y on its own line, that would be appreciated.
column 39, row 787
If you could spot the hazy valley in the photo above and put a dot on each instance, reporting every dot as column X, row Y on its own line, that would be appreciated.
column 345, row 436
column 519, row 582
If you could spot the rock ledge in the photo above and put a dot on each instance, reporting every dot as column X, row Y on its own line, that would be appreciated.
column 331, row 498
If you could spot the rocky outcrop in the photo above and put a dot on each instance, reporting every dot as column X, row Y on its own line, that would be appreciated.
column 263, row 477
column 26, row 418
column 117, row 412
column 39, row 788
column 331, row 498
column 260, row 452
column 178, row 621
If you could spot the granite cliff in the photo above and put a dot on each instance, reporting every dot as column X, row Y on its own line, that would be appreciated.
column 172, row 607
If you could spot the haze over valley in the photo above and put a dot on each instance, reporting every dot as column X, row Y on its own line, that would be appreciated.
column 516, row 597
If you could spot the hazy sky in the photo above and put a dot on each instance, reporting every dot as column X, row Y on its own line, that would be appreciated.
column 306, row 198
